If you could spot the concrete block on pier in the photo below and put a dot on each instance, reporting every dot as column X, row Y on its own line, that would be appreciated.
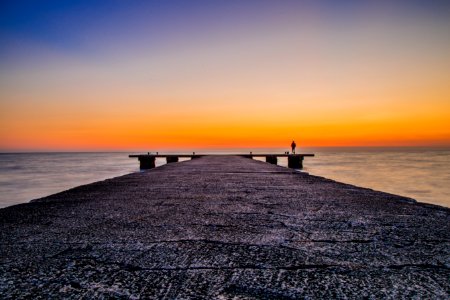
column 295, row 161
column 272, row 159
column 147, row 162
column 171, row 159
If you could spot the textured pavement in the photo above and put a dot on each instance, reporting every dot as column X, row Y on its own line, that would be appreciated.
column 224, row 227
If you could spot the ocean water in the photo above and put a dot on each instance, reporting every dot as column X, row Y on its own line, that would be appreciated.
column 418, row 173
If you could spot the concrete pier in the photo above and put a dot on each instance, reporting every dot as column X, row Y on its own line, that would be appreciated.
column 224, row 227
column 272, row 159
column 147, row 162
column 171, row 159
column 295, row 161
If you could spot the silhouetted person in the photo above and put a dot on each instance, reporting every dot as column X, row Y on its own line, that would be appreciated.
column 293, row 145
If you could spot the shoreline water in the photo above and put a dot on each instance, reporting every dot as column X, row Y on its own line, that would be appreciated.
column 415, row 173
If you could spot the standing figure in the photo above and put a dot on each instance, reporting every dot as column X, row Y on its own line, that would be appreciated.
column 293, row 145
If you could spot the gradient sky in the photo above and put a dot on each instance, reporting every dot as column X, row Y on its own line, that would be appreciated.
column 118, row 75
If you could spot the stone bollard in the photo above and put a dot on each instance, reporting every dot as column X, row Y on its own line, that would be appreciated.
column 146, row 162
column 295, row 161
column 272, row 159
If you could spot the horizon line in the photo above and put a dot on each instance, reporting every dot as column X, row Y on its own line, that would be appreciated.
column 212, row 150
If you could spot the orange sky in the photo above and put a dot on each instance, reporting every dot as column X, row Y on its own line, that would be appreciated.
column 367, row 83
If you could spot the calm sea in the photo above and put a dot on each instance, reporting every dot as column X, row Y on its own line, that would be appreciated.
column 422, row 174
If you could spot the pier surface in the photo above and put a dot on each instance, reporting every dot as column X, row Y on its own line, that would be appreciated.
column 224, row 227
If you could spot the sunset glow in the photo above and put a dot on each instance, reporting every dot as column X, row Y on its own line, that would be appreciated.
column 124, row 75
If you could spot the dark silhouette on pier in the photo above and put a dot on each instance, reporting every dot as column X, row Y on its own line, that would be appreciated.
column 293, row 145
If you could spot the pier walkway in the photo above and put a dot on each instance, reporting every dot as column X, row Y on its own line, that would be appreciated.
column 224, row 227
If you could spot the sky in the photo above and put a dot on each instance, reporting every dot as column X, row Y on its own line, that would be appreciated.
column 137, row 75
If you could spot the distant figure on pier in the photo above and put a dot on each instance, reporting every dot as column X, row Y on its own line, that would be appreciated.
column 293, row 145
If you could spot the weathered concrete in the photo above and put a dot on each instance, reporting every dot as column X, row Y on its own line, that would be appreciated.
column 224, row 227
